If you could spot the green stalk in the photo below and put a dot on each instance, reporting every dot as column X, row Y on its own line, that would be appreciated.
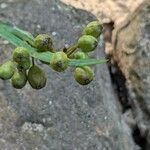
column 71, row 49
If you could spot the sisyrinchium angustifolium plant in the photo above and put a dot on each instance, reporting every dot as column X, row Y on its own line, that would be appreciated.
column 21, row 67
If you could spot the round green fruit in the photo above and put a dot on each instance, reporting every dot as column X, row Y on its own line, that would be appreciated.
column 43, row 42
column 59, row 61
column 7, row 70
column 19, row 79
column 36, row 77
column 24, row 65
column 83, row 75
column 20, row 54
column 87, row 43
column 80, row 55
column 94, row 29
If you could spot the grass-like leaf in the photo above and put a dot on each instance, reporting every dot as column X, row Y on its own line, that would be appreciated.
column 20, row 38
column 24, row 35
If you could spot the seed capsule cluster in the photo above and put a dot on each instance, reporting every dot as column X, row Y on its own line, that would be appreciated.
column 20, row 69
column 87, row 43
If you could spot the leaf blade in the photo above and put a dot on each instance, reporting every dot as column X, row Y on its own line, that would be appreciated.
column 19, row 38
column 24, row 35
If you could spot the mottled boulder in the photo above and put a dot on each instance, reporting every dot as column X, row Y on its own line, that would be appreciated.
column 107, row 10
column 131, row 41
column 64, row 115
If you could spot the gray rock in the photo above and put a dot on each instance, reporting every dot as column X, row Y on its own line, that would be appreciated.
column 64, row 115
column 132, row 52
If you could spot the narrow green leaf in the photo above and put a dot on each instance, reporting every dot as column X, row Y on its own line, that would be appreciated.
column 84, row 62
column 21, row 38
column 24, row 35
column 18, row 42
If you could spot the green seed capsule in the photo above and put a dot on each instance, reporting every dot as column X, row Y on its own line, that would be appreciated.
column 80, row 55
column 59, row 61
column 21, row 54
column 36, row 77
column 19, row 79
column 43, row 42
column 93, row 28
column 24, row 65
column 87, row 43
column 83, row 75
column 7, row 70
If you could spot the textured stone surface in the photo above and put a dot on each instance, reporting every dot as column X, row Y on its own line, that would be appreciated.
column 64, row 115
column 116, row 11
column 132, row 52
column 106, row 10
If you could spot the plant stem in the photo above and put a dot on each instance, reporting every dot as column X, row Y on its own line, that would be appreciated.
column 71, row 49
column 33, row 63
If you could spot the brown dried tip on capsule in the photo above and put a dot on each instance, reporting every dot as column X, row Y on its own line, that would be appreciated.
column 43, row 42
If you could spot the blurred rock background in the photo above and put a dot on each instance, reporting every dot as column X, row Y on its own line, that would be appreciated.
column 106, row 10
column 129, row 51
column 113, row 112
